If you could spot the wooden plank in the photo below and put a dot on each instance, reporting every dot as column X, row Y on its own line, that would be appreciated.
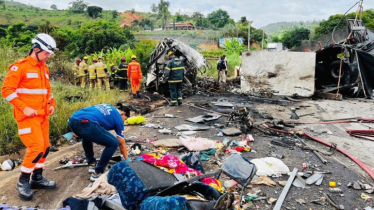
column 332, row 96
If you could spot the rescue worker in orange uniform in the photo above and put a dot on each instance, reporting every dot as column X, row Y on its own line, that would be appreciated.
column 83, row 69
column 102, row 74
column 76, row 71
column 134, row 73
column 92, row 74
column 26, row 86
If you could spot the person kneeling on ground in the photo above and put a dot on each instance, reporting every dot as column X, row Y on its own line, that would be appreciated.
column 92, row 125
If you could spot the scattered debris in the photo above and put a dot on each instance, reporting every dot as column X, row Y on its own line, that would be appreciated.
column 168, row 143
column 263, row 180
column 270, row 166
column 185, row 127
column 231, row 131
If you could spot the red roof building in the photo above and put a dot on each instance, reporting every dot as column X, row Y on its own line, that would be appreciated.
column 180, row 26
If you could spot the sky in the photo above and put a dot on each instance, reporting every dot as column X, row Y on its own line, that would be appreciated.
column 261, row 12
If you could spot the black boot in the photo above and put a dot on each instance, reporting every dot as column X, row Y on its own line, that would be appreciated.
column 23, row 187
column 39, row 182
column 138, row 94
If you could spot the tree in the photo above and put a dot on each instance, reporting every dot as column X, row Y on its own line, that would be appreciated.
column 53, row 7
column 2, row 2
column 19, row 35
column 219, row 18
column 197, row 16
column 154, row 8
column 243, row 19
column 78, row 6
column 327, row 26
column 46, row 28
column 293, row 38
column 275, row 39
column 178, row 17
column 2, row 33
column 94, row 11
column 161, row 5
column 165, row 14
column 114, row 14
column 96, row 36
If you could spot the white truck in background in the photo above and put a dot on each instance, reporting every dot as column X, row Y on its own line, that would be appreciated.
column 275, row 47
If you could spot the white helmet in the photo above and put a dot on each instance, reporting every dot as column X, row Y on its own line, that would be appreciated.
column 45, row 42
column 8, row 165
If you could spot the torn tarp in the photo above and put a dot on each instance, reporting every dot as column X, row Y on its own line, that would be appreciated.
column 366, row 67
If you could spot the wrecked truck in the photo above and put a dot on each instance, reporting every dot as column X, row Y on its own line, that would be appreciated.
column 194, row 63
column 356, row 70
column 307, row 73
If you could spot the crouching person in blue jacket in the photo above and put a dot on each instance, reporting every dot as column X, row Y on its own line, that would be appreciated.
column 92, row 125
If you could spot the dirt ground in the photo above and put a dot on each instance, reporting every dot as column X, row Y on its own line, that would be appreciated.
column 343, row 170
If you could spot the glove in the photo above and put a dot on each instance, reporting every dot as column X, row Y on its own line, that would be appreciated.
column 163, row 80
column 128, row 160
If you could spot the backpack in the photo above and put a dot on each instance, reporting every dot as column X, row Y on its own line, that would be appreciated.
column 221, row 64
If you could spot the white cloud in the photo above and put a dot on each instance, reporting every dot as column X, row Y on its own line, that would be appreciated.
column 261, row 12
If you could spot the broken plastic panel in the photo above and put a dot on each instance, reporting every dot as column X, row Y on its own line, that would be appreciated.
column 239, row 168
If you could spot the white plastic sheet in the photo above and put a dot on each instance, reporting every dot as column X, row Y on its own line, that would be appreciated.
column 270, row 166
column 197, row 144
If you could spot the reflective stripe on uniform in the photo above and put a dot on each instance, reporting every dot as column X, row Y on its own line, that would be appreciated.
column 32, row 75
column 174, row 101
column 46, row 76
column 180, row 98
column 24, row 131
column 39, row 165
column 26, row 170
column 174, row 81
column 31, row 91
column 167, row 68
column 178, row 68
column 11, row 96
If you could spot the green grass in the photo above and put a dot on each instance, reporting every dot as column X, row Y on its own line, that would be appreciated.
column 9, row 139
column 60, row 18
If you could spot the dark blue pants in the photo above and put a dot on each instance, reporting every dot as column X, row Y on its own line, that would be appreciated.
column 122, row 84
column 93, row 133
column 176, row 92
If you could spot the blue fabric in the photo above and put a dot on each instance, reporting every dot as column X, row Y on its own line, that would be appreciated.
column 104, row 115
column 92, row 132
column 164, row 203
column 130, row 188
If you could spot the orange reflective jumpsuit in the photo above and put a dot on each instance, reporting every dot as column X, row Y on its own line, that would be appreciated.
column 134, row 73
column 27, row 84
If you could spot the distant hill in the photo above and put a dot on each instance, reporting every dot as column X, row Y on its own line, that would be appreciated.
column 129, row 17
column 34, row 16
column 277, row 29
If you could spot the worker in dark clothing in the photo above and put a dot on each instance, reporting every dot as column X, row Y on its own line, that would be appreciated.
column 174, row 74
column 121, row 74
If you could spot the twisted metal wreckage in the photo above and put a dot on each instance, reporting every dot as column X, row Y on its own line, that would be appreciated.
column 193, row 61
column 348, row 64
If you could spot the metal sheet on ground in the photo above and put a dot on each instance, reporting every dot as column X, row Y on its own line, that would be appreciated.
column 285, row 72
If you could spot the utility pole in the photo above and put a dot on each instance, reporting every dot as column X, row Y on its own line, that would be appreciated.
column 263, row 32
column 249, row 35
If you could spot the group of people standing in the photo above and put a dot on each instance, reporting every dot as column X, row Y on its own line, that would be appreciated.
column 97, row 74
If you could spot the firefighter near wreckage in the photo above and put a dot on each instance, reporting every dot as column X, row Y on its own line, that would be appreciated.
column 26, row 86
column 174, row 74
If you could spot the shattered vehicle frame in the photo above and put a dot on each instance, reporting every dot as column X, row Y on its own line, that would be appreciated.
column 194, row 62
column 349, row 61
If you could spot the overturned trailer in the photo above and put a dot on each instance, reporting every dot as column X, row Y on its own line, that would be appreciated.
column 348, row 65
column 193, row 61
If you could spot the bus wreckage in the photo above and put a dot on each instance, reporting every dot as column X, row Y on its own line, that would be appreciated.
column 194, row 62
